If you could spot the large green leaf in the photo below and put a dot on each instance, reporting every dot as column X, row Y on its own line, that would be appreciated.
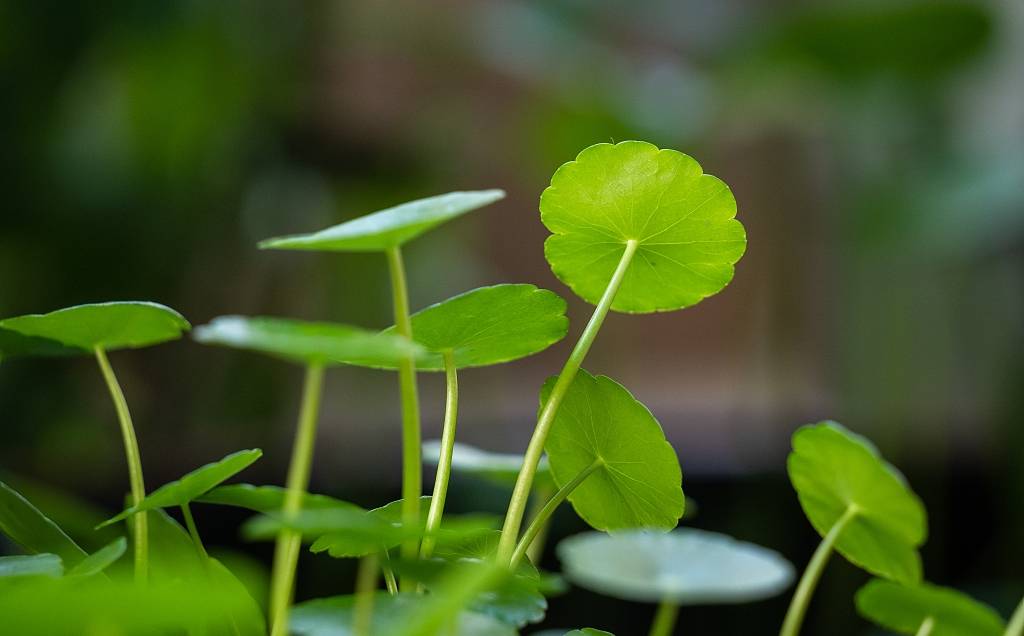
column 487, row 326
column 687, row 566
column 31, row 565
column 110, row 326
column 101, row 559
column 16, row 345
column 388, row 228
column 192, row 485
column 32, row 530
column 264, row 498
column 334, row 617
column 500, row 468
column 682, row 220
column 904, row 608
column 834, row 471
column 637, row 483
column 305, row 342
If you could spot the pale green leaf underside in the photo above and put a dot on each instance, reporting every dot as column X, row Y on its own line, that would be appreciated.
column 639, row 482
column 101, row 559
column 903, row 608
column 502, row 468
column 24, row 524
column 833, row 469
column 264, row 498
column 686, row 566
column 684, row 221
column 31, row 565
column 334, row 617
column 305, row 342
column 485, row 326
column 110, row 326
column 192, row 485
column 388, row 228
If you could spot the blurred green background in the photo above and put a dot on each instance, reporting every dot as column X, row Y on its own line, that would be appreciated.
column 875, row 149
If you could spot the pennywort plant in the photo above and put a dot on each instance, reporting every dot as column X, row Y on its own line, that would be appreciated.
column 634, row 229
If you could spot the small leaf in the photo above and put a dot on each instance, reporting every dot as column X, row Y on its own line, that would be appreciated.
column 903, row 608
column 101, row 559
column 388, row 228
column 686, row 566
column 833, row 469
column 110, row 326
column 637, row 482
column 683, row 220
column 486, row 326
column 192, row 485
column 334, row 617
column 305, row 342
column 500, row 468
column 32, row 530
column 264, row 498
column 31, row 565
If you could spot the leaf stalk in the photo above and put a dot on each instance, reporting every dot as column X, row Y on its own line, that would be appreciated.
column 444, row 463
column 665, row 619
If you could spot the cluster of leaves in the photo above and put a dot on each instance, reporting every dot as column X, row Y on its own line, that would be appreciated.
column 635, row 229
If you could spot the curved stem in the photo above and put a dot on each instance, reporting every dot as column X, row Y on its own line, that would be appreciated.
column 412, row 479
column 665, row 619
column 286, row 553
column 1016, row 626
column 524, row 482
column 809, row 580
column 190, row 523
column 134, row 459
column 926, row 627
column 366, row 590
column 389, row 573
column 540, row 494
column 444, row 463
column 542, row 518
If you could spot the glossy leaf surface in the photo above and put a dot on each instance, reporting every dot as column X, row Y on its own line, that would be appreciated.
column 687, row 566
column 110, row 326
column 388, row 228
column 833, row 469
column 682, row 220
column 638, row 481
column 903, row 608
column 24, row 524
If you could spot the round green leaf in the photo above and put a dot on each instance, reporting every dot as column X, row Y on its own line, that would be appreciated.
column 16, row 345
column 686, row 566
column 192, row 485
column 904, row 608
column 501, row 468
column 334, row 616
column 305, row 342
column 110, row 326
column 682, row 220
column 388, row 228
column 31, row 565
column 264, row 498
column 488, row 326
column 833, row 470
column 638, row 481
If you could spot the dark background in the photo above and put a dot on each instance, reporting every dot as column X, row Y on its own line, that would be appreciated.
column 874, row 149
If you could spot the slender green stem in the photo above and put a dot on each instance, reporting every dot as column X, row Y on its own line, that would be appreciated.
column 412, row 478
column 926, row 627
column 665, row 619
column 809, row 580
column 524, row 482
column 134, row 458
column 389, row 573
column 1016, row 626
column 286, row 554
column 540, row 496
column 544, row 516
column 190, row 523
column 444, row 463
column 366, row 590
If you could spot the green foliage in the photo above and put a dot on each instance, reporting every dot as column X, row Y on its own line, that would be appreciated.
column 16, row 345
column 836, row 472
column 682, row 219
column 334, row 616
column 31, row 565
column 637, row 481
column 500, row 468
column 487, row 326
column 101, row 559
column 904, row 608
column 34, row 531
column 264, row 498
column 109, row 326
column 379, row 231
column 192, row 485
column 685, row 567
column 304, row 342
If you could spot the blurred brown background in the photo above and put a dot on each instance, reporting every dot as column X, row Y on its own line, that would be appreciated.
column 874, row 149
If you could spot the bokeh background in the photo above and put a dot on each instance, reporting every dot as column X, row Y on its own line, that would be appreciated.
column 874, row 149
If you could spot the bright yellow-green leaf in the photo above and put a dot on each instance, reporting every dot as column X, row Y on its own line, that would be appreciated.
column 834, row 471
column 637, row 480
column 388, row 228
column 682, row 220
column 116, row 325
column 904, row 608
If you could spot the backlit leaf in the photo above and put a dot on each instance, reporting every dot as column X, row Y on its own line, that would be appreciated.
column 115, row 325
column 903, row 608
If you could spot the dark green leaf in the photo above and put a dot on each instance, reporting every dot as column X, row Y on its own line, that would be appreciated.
column 31, row 565
column 32, row 530
column 110, row 326
column 903, row 609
